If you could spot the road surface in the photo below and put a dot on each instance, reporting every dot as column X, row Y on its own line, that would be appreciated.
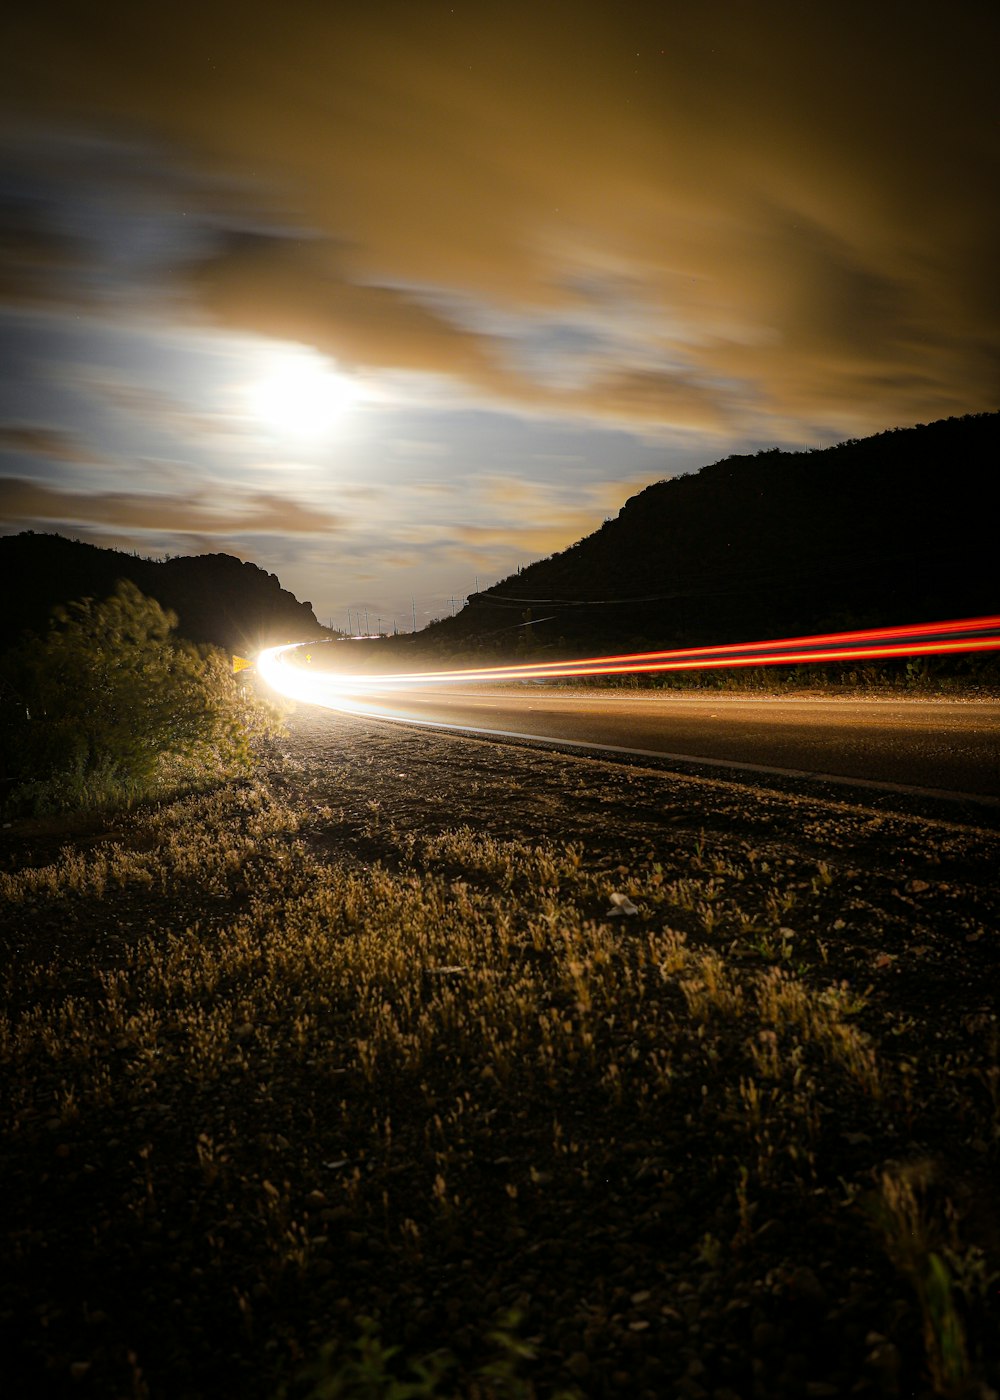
column 950, row 746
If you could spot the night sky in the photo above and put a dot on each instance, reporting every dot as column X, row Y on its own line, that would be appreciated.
column 389, row 298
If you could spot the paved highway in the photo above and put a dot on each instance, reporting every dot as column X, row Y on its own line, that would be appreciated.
column 951, row 746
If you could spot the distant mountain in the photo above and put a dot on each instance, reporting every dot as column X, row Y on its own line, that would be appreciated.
column 216, row 597
column 893, row 528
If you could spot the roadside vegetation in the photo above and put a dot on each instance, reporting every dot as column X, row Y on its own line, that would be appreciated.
column 948, row 677
column 490, row 1116
column 110, row 708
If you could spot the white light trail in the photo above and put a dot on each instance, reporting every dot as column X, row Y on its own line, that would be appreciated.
column 281, row 669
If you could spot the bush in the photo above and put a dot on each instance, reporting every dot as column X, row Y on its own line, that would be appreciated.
column 111, row 707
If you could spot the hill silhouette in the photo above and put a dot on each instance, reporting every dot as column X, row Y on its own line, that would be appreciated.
column 894, row 528
column 216, row 597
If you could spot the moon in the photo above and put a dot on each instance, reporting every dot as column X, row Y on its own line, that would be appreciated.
column 300, row 394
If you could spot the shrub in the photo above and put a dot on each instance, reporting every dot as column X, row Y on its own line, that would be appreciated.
column 110, row 707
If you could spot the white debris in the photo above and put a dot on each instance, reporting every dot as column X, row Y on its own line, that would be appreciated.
column 621, row 904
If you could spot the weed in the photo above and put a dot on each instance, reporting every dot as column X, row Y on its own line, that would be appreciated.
column 911, row 1234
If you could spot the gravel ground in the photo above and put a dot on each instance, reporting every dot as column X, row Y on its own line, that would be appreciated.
column 380, row 778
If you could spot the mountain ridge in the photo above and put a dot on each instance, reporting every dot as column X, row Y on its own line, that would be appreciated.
column 218, row 598
column 889, row 529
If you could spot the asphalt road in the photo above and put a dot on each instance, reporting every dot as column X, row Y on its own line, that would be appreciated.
column 949, row 746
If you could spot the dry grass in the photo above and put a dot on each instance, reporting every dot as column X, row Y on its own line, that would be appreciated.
column 291, row 1092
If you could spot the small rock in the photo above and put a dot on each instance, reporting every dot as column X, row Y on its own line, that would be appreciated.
column 578, row 1365
column 882, row 1364
column 804, row 1284
column 690, row 1389
column 333, row 1215
column 765, row 1336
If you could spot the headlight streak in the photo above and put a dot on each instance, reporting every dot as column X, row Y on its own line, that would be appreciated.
column 343, row 692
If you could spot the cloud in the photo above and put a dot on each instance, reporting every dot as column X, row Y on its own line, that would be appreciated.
column 531, row 541
column 800, row 197
column 38, row 265
column 24, row 501
column 643, row 395
column 52, row 443
column 293, row 289
column 573, row 509
column 151, row 408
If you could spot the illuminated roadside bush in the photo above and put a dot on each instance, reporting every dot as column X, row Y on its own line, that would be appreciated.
column 110, row 707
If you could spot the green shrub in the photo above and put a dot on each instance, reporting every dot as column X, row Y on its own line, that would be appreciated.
column 111, row 707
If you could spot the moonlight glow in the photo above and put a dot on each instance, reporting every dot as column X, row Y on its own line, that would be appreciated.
column 300, row 394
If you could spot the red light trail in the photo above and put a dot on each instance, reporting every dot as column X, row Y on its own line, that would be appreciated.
column 979, row 634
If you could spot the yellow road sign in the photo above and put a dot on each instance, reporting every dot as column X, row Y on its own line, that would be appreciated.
column 240, row 663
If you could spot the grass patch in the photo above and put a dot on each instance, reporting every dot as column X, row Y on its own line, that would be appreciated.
column 448, row 1125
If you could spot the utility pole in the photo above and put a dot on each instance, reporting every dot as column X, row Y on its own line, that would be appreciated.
column 453, row 601
column 413, row 609
column 366, row 622
column 348, row 622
